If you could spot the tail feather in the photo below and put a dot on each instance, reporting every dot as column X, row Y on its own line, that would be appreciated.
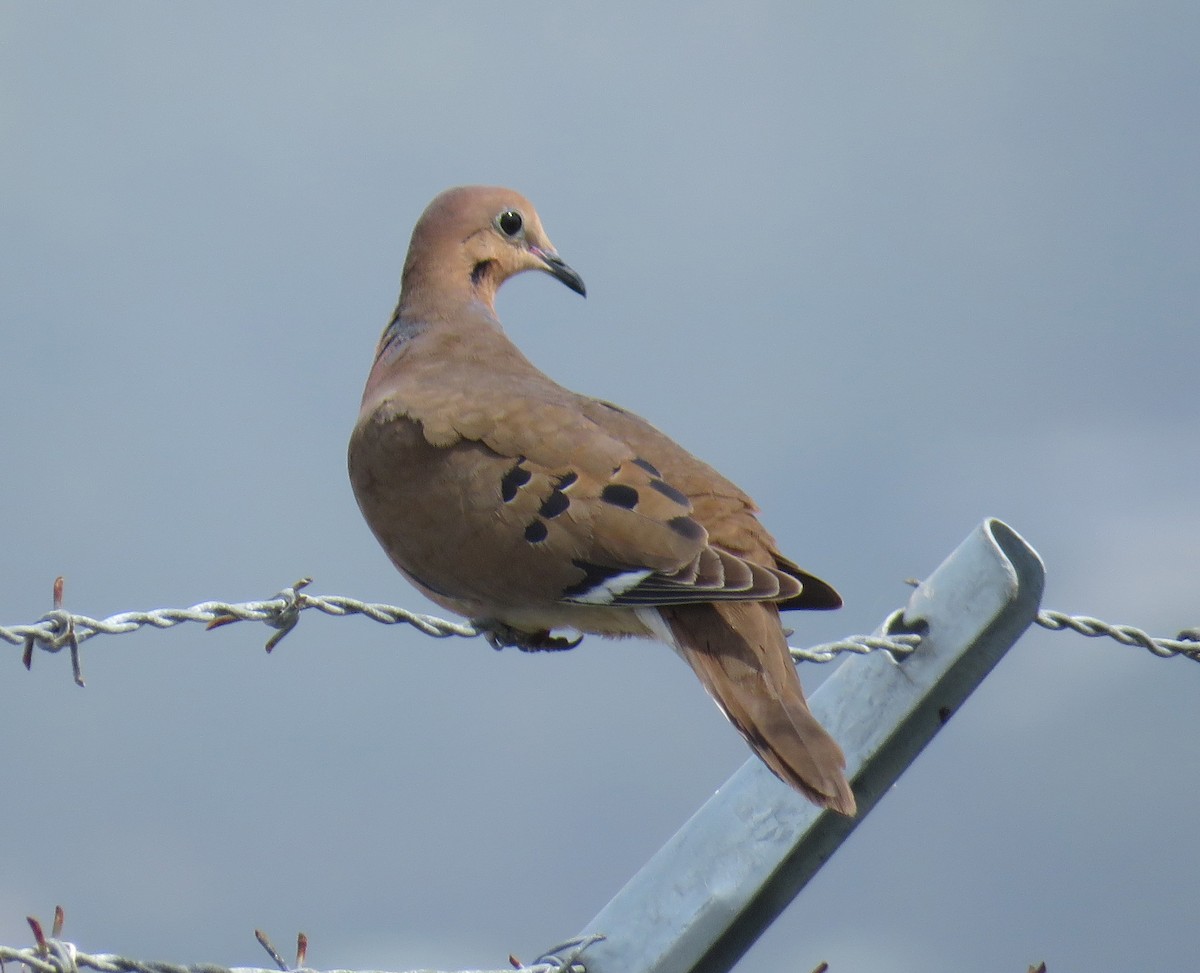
column 739, row 652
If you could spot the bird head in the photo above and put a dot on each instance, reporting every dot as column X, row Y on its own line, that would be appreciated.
column 483, row 235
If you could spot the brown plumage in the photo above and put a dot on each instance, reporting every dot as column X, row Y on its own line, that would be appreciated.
column 527, row 508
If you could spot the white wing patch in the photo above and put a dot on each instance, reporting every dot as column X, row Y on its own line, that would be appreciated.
column 605, row 591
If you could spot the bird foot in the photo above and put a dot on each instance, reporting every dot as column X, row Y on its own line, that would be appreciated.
column 501, row 636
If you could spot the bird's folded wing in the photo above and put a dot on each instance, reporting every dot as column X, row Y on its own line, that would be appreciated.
column 567, row 493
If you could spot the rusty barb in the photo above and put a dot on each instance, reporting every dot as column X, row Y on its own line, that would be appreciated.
column 60, row 631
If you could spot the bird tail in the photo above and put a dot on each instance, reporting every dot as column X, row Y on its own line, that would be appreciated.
column 739, row 652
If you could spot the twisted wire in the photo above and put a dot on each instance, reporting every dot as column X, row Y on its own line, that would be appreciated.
column 60, row 628
column 50, row 632
column 58, row 956
column 1187, row 644
column 55, row 955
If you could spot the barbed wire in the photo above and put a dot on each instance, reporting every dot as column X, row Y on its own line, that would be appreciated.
column 54, row 955
column 64, row 957
column 59, row 628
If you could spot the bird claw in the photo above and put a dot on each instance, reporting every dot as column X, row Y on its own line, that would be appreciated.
column 501, row 636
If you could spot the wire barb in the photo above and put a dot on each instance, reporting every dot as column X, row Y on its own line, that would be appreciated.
column 293, row 602
column 265, row 942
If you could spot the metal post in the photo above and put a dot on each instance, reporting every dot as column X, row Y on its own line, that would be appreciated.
column 716, row 885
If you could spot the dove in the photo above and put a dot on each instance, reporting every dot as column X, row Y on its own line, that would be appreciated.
column 530, row 509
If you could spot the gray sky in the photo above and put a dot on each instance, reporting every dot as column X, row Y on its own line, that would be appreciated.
column 894, row 269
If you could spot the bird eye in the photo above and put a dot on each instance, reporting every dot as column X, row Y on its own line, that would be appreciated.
column 510, row 223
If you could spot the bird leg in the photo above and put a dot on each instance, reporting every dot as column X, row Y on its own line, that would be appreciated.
column 501, row 636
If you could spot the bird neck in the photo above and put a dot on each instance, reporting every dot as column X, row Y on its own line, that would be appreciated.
column 399, row 332
column 442, row 288
column 472, row 338
column 415, row 316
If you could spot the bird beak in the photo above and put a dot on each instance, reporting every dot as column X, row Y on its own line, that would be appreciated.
column 556, row 268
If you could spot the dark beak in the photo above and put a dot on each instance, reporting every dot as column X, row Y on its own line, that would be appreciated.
column 556, row 268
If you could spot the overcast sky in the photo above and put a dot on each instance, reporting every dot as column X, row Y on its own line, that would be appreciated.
column 892, row 268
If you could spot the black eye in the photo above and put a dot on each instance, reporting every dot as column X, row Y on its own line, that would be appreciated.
column 510, row 222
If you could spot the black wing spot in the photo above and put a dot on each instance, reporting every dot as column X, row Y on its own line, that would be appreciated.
column 566, row 480
column 536, row 532
column 555, row 504
column 594, row 575
column 620, row 495
column 513, row 480
column 686, row 527
column 646, row 465
column 670, row 492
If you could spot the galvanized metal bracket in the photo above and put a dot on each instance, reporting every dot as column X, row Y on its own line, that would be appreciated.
column 715, row 886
